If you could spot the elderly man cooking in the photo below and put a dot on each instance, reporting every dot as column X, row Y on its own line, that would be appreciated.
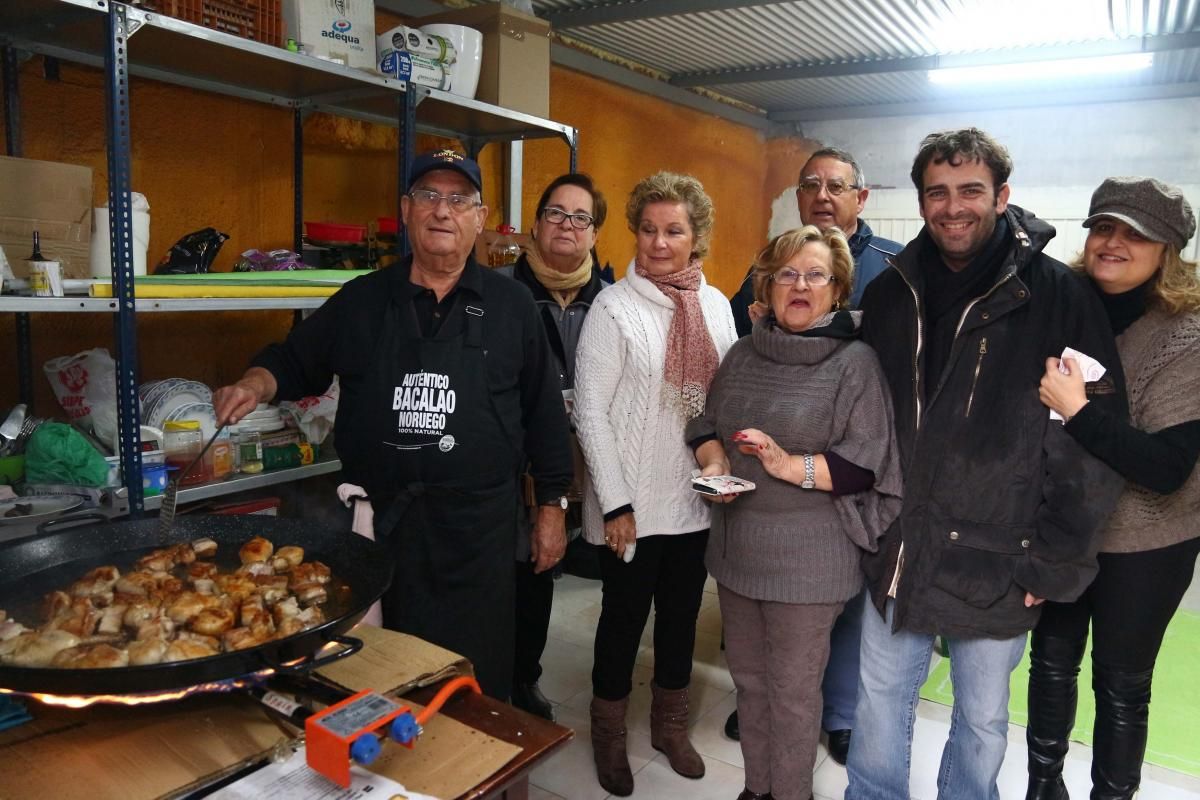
column 448, row 387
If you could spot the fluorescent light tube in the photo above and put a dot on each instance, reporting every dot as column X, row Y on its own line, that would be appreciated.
column 1042, row 70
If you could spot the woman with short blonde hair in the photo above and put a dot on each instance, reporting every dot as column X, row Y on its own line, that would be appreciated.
column 650, row 347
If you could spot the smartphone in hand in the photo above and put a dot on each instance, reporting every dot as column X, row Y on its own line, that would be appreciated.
column 722, row 484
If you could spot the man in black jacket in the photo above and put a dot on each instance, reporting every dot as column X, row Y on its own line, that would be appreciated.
column 448, row 390
column 559, row 269
column 1001, row 507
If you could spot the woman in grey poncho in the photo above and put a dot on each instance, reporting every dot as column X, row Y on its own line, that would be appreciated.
column 807, row 409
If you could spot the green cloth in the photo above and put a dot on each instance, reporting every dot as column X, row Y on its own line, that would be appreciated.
column 57, row 453
column 1173, row 742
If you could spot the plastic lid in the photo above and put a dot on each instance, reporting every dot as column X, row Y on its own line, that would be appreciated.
column 507, row 230
column 183, row 425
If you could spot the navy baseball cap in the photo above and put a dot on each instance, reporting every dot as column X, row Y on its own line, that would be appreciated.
column 445, row 159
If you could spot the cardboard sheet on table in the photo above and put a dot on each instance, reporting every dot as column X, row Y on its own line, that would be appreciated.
column 449, row 760
column 121, row 752
column 394, row 663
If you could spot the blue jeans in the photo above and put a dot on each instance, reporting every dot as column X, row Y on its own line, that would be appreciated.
column 893, row 666
column 840, row 684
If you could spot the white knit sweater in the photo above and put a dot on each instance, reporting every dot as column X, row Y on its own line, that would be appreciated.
column 633, row 441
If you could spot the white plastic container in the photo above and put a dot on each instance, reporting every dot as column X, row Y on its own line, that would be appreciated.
column 468, row 44
column 101, row 256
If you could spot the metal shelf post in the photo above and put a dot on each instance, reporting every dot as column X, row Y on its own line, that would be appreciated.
column 13, row 147
column 408, row 144
column 116, row 63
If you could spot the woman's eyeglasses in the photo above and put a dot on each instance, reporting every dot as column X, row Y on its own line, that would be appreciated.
column 815, row 278
column 555, row 216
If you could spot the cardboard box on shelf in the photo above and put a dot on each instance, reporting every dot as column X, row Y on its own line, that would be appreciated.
column 515, row 72
column 53, row 199
column 337, row 30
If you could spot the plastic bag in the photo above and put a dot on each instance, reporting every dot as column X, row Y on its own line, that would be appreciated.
column 57, row 453
column 86, row 387
column 274, row 261
column 314, row 416
column 193, row 254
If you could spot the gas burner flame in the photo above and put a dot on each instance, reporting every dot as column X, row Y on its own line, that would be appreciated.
column 83, row 701
column 147, row 698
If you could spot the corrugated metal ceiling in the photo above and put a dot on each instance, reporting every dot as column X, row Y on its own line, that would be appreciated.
column 700, row 43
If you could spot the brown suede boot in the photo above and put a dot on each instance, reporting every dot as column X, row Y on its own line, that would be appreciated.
column 669, row 730
column 608, row 746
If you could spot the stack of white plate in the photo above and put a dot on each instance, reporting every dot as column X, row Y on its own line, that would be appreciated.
column 175, row 399
column 263, row 419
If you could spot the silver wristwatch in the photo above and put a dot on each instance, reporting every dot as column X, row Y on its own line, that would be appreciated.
column 810, row 473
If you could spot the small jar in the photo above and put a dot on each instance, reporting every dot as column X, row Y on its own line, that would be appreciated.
column 183, row 441
column 250, row 452
column 220, row 458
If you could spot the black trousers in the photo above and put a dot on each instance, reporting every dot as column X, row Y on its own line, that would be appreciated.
column 669, row 572
column 535, row 599
column 1128, row 606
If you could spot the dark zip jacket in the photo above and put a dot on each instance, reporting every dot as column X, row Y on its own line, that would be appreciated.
column 563, row 325
column 998, row 499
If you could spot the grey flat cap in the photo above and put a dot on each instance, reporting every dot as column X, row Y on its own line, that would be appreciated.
column 1154, row 209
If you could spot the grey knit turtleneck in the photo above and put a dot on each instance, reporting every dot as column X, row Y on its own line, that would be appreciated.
column 812, row 395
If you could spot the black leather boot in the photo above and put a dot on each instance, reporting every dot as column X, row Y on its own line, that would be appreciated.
column 1053, row 694
column 1122, row 712
column 529, row 697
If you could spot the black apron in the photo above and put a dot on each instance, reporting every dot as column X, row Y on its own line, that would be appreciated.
column 449, row 484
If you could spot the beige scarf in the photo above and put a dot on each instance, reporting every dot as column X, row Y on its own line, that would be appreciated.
column 562, row 286
column 692, row 359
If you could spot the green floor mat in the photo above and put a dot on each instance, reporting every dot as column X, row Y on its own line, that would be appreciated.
column 1174, row 738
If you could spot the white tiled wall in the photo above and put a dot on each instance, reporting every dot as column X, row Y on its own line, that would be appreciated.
column 1060, row 156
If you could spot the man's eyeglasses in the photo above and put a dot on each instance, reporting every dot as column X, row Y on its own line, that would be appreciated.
column 835, row 187
column 815, row 278
column 427, row 198
column 555, row 216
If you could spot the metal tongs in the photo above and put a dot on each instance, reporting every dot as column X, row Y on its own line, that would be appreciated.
column 166, row 513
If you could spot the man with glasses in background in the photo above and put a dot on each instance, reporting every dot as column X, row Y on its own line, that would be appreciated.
column 448, row 392
column 558, row 268
column 832, row 191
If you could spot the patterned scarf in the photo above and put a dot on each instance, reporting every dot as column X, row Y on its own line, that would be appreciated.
column 562, row 286
column 691, row 359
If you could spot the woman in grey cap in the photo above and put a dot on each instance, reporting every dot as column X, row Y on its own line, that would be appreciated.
column 1138, row 228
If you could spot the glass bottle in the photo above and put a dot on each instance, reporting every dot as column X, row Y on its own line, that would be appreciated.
column 250, row 452
column 182, row 442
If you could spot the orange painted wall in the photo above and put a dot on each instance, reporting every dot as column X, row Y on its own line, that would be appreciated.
column 204, row 159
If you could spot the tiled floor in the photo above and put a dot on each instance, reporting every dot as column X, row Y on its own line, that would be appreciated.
column 571, row 775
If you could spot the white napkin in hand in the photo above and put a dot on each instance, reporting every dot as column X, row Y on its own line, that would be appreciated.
column 363, row 525
column 1092, row 369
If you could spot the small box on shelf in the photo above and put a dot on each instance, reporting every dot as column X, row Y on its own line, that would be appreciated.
column 342, row 31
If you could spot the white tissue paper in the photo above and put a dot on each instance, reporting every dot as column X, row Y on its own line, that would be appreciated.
column 6, row 273
column 1092, row 369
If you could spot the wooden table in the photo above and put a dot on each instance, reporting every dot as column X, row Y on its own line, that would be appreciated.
column 537, row 738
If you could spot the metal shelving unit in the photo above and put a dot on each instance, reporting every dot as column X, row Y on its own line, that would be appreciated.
column 240, row 483
column 125, row 41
